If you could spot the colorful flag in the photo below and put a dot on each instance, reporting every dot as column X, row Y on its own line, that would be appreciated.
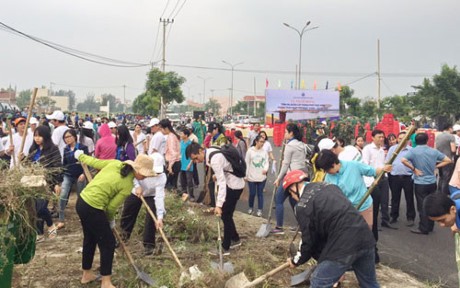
column 266, row 82
column 314, row 85
column 327, row 85
column 302, row 84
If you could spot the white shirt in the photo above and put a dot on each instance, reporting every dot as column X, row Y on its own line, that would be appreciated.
column 58, row 133
column 17, row 140
column 350, row 153
column 374, row 157
column 153, row 186
column 138, row 138
column 158, row 142
column 193, row 138
column 1, row 145
column 219, row 164
column 267, row 147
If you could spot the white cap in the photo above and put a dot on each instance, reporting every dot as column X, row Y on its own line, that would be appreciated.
column 33, row 121
column 158, row 162
column 324, row 122
column 456, row 127
column 112, row 125
column 57, row 115
column 153, row 122
column 98, row 119
column 88, row 125
column 326, row 143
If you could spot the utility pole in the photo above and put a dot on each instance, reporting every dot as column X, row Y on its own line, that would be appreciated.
column 204, row 87
column 231, row 92
column 163, row 61
column 378, row 74
column 124, row 98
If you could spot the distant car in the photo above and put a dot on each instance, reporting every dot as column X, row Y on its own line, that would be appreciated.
column 254, row 120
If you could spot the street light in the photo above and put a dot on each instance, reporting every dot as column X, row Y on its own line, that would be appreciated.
column 204, row 86
column 231, row 91
column 304, row 29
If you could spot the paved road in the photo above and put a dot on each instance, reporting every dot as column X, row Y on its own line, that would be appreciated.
column 429, row 258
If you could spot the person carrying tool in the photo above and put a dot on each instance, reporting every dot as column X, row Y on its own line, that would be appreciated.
column 230, row 187
column 333, row 233
column 97, row 206
column 153, row 191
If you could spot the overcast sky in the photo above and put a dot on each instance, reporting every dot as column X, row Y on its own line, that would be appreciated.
column 416, row 38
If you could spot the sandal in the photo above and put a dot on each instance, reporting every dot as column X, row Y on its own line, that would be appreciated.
column 52, row 233
column 40, row 238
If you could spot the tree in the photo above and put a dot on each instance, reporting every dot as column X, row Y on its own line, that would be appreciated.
column 146, row 104
column 354, row 107
column 89, row 105
column 399, row 106
column 23, row 100
column 439, row 98
column 213, row 106
column 241, row 108
column 346, row 93
column 369, row 109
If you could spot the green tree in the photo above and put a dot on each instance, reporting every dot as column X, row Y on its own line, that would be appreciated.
column 146, row 104
column 241, row 108
column 23, row 99
column 369, row 109
column 112, row 102
column 354, row 107
column 438, row 98
column 399, row 106
column 213, row 106
column 89, row 105
column 346, row 93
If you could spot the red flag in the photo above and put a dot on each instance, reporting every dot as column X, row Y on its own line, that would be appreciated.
column 266, row 82
column 314, row 85
column 339, row 87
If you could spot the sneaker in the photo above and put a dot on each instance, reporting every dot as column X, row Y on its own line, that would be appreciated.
column 235, row 244
column 277, row 231
column 215, row 252
column 250, row 211
column 259, row 213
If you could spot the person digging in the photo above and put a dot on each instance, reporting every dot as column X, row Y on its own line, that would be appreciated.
column 333, row 233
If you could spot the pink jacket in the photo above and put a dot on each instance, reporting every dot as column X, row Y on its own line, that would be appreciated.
column 106, row 148
column 172, row 153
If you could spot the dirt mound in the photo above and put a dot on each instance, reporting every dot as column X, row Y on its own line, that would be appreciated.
column 192, row 234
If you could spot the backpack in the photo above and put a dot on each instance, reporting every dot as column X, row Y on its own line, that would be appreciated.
column 236, row 160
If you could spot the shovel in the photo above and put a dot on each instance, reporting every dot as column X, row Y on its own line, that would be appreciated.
column 140, row 274
column 265, row 229
column 241, row 281
column 303, row 277
column 194, row 271
column 226, row 267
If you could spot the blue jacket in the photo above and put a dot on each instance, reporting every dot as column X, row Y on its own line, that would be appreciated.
column 71, row 167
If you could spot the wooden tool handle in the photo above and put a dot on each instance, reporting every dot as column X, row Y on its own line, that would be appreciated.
column 266, row 275
column 29, row 114
column 11, row 143
column 128, row 254
column 162, row 233
column 88, row 175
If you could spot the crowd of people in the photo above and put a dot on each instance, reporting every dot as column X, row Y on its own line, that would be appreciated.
column 339, row 226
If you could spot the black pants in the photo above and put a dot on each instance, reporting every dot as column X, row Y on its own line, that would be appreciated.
column 172, row 178
column 131, row 209
column 421, row 191
column 41, row 206
column 228, row 209
column 96, row 231
column 186, row 182
column 397, row 183
column 380, row 199
column 445, row 173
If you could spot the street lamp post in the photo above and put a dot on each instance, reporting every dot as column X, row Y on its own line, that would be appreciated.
column 231, row 89
column 204, row 86
column 304, row 29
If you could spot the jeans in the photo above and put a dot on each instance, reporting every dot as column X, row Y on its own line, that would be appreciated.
column 228, row 209
column 445, row 173
column 397, row 184
column 453, row 189
column 65, row 191
column 280, row 197
column 256, row 188
column 421, row 191
column 329, row 272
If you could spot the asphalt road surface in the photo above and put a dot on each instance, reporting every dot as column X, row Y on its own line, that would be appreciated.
column 430, row 258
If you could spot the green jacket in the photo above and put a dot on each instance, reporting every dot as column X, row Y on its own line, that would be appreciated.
column 108, row 190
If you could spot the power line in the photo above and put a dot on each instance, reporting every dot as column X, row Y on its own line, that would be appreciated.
column 180, row 8
column 174, row 10
column 73, row 52
column 164, row 10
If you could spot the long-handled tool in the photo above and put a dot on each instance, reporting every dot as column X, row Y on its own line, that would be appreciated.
column 29, row 115
column 265, row 229
column 226, row 267
column 241, row 281
column 194, row 271
column 140, row 274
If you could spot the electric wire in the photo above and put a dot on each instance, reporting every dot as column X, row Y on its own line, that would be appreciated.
column 174, row 9
column 180, row 8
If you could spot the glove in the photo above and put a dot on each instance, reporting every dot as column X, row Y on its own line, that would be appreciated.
column 112, row 224
column 77, row 154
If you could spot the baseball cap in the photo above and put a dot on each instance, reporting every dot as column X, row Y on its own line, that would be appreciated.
column 57, row 115
column 19, row 120
column 456, row 127
column 112, row 125
column 33, row 121
column 153, row 122
column 158, row 162
column 326, row 143
column 324, row 122
column 87, row 125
